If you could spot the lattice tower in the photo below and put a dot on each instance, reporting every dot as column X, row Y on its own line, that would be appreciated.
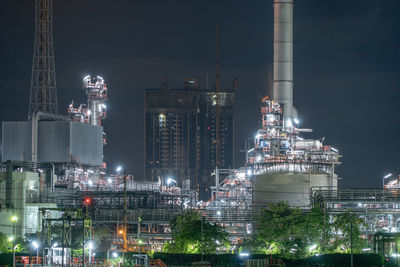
column 43, row 93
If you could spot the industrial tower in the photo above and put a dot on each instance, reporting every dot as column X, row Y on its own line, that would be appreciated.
column 286, row 166
column 43, row 93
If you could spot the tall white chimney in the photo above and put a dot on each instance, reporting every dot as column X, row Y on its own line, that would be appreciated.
column 283, row 57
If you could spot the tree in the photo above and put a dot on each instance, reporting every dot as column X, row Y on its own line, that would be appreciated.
column 286, row 231
column 192, row 234
column 340, row 233
column 289, row 232
column 5, row 244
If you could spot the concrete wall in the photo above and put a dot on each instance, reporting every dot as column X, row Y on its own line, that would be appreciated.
column 294, row 188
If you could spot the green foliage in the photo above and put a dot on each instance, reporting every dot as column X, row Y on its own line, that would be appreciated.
column 290, row 233
column 101, row 232
column 329, row 260
column 192, row 234
column 286, row 231
column 339, row 233
column 341, row 260
column 5, row 244
column 186, row 259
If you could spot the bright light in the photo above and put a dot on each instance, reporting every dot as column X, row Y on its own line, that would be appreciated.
column 14, row 219
column 219, row 213
column 387, row 175
column 11, row 239
column 249, row 172
column 217, row 242
column 55, row 245
column 296, row 121
column 104, row 106
column 115, row 254
column 140, row 241
column 170, row 180
column 243, row 254
column 395, row 255
column 109, row 180
column 35, row 244
column 119, row 168
column 366, row 249
column 90, row 182
column 121, row 231
column 289, row 123
column 259, row 158
column 313, row 247
column 258, row 136
column 90, row 245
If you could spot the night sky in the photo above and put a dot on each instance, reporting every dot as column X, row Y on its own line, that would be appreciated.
column 346, row 66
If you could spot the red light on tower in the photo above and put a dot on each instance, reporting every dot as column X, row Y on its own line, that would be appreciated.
column 88, row 201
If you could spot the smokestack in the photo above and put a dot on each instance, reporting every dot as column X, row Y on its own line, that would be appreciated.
column 283, row 57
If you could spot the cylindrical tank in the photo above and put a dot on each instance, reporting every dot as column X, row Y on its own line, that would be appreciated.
column 294, row 188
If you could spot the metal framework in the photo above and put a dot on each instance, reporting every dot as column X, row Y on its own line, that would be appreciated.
column 57, row 235
column 279, row 148
column 379, row 208
column 43, row 92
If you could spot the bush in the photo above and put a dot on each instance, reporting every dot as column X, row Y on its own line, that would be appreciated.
column 187, row 259
column 222, row 260
column 340, row 260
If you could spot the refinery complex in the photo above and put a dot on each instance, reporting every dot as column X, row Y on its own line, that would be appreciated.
column 53, row 171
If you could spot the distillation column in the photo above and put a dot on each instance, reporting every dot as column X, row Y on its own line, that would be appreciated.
column 283, row 57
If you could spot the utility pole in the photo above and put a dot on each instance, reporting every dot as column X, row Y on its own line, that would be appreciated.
column 125, row 214
column 138, row 238
column 351, row 240
column 324, row 234
column 202, row 239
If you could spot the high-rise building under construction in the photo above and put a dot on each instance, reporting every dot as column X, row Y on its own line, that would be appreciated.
column 188, row 133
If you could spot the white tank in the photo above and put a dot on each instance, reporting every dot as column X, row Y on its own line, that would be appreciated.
column 294, row 188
